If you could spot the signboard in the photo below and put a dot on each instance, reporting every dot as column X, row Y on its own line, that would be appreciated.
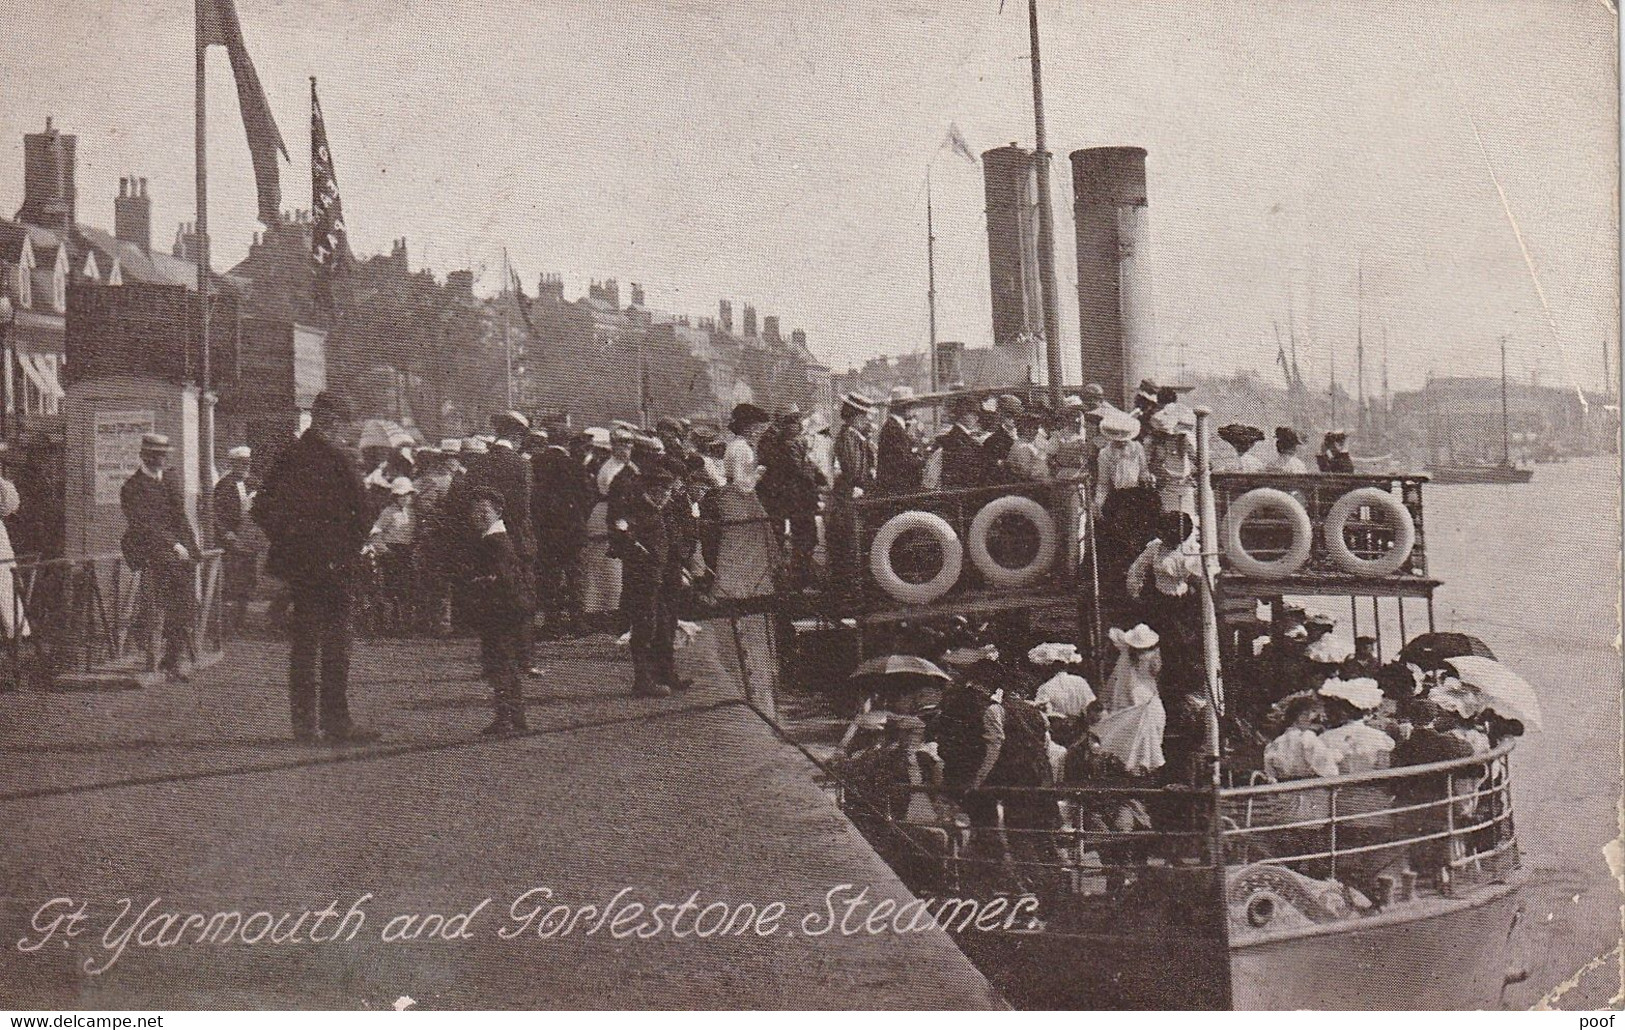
column 118, row 449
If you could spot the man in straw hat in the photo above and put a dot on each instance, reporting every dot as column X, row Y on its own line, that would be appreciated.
column 855, row 463
column 160, row 543
column 314, row 509
column 232, row 503
column 899, row 464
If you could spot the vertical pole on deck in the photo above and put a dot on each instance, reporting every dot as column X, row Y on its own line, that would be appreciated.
column 1208, row 535
column 205, row 495
column 1046, row 220
column 1376, row 622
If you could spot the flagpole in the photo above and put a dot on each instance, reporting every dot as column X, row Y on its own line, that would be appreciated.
column 205, row 387
column 931, row 277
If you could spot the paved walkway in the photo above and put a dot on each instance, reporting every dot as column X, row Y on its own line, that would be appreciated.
column 191, row 794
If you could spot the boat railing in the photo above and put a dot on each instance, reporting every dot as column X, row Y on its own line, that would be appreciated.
column 1449, row 823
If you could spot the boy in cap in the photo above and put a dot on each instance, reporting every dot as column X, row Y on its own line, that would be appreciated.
column 393, row 542
column 500, row 609
column 160, row 543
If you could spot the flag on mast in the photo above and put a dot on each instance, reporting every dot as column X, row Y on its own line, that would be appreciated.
column 329, row 242
column 220, row 27
column 955, row 141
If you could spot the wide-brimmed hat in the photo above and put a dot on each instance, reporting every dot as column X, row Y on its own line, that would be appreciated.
column 155, row 442
column 1174, row 418
column 1328, row 650
column 1072, row 403
column 474, row 445
column 621, row 434
column 746, row 415
column 401, row 486
column 855, row 401
column 1286, row 436
column 1362, row 692
column 1009, row 404
column 1240, row 436
column 400, row 439
column 451, row 445
column 1055, row 654
column 598, row 436
column 667, row 424
column 1337, row 434
column 509, row 420
column 1147, row 389
column 901, row 393
column 240, row 452
column 964, row 657
column 1140, row 638
column 1118, row 426
column 1320, row 619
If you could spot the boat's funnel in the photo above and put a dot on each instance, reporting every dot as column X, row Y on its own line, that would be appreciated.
column 1114, row 279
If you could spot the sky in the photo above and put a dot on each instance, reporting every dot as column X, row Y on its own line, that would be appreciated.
column 776, row 153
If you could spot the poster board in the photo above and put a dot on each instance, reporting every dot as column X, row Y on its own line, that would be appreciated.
column 118, row 449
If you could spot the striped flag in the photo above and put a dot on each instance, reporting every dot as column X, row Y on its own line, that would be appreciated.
column 329, row 243
column 218, row 26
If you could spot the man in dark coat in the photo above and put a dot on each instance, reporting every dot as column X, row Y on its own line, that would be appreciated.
column 788, row 491
column 500, row 610
column 964, row 460
column 855, row 459
column 1007, row 409
column 641, row 537
column 314, row 510
column 160, row 543
column 899, row 464
column 562, row 497
column 232, row 501
column 506, row 470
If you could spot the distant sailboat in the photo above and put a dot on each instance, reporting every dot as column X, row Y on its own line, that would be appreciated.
column 1504, row 471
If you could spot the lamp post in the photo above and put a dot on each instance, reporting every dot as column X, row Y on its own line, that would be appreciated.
column 8, row 319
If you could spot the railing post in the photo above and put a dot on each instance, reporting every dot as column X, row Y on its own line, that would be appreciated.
column 1331, row 826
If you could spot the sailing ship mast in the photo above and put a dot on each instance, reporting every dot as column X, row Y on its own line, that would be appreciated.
column 1359, row 345
column 1506, row 437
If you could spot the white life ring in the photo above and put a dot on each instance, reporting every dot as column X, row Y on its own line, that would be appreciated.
column 953, row 557
column 1016, row 506
column 1394, row 513
column 1248, row 505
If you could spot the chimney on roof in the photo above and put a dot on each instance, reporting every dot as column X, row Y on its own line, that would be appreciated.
column 770, row 329
column 725, row 315
column 132, row 213
column 48, row 179
column 750, row 322
column 798, row 337
column 637, row 295
column 461, row 280
column 550, row 285
column 186, row 242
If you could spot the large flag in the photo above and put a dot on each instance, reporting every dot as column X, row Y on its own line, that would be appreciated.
column 219, row 27
column 329, row 243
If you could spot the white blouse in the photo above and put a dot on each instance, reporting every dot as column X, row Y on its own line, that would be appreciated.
column 739, row 464
column 1358, row 747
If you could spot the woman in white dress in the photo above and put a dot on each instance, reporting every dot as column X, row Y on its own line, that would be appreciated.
column 11, row 615
column 1131, row 728
column 749, row 552
column 601, row 574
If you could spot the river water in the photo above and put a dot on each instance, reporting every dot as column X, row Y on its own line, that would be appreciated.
column 1534, row 570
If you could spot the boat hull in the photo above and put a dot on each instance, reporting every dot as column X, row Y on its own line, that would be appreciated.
column 1449, row 475
column 1452, row 955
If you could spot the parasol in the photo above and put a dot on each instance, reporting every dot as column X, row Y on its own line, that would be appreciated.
column 899, row 665
column 1505, row 692
column 1431, row 649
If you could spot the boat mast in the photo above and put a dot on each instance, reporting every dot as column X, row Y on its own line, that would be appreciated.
column 931, row 278
column 1359, row 343
column 1046, row 219
column 1506, row 439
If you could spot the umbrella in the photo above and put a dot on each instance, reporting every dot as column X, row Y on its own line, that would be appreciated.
column 1505, row 692
column 899, row 665
column 1431, row 649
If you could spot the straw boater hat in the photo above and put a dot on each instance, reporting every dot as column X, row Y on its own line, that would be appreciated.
column 1009, row 405
column 474, row 445
column 451, row 445
column 855, row 401
column 155, row 443
column 1362, row 692
column 1147, row 391
column 901, row 393
column 1072, row 403
column 400, row 486
column 240, row 452
column 1140, row 638
column 598, row 436
column 1118, row 426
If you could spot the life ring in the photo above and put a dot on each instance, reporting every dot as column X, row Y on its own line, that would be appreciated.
column 1395, row 514
column 1250, row 504
column 953, row 557
column 1015, row 506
